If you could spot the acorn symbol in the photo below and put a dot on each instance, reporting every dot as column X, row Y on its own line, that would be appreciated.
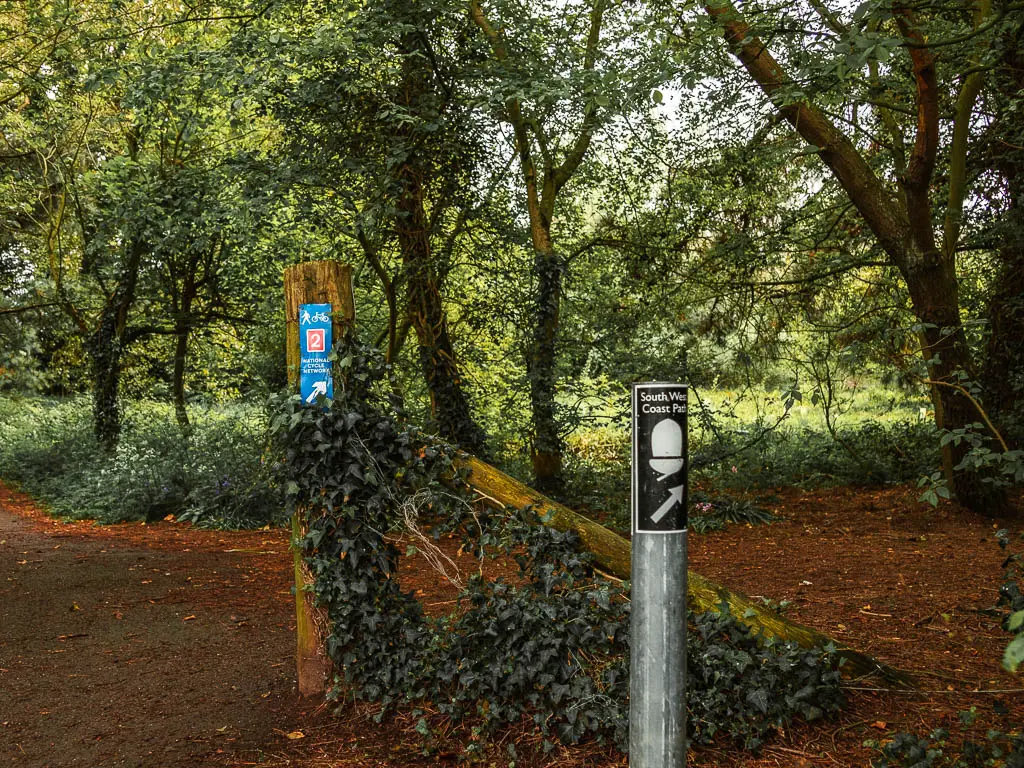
column 666, row 448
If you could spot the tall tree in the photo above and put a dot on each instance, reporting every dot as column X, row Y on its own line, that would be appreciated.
column 558, row 73
column 916, row 222
column 115, row 119
column 396, row 159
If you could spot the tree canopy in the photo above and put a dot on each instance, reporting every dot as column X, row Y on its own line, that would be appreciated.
column 542, row 203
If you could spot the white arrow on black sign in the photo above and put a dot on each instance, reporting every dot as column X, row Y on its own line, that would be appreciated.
column 675, row 497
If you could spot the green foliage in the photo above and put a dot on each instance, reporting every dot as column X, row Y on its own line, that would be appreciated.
column 865, row 454
column 735, row 677
column 984, row 457
column 217, row 474
column 1011, row 597
column 551, row 645
column 933, row 751
column 713, row 513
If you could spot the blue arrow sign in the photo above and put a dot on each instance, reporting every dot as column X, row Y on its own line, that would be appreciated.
column 315, row 341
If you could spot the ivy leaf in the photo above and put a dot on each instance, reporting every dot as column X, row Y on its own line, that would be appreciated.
column 1016, row 621
column 1013, row 657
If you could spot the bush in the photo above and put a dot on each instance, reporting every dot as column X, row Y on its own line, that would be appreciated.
column 552, row 645
column 934, row 751
column 217, row 474
column 871, row 453
column 713, row 513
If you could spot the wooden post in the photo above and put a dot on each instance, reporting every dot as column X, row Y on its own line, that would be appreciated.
column 314, row 282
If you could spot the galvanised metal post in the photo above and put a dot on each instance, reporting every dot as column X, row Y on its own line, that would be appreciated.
column 657, row 675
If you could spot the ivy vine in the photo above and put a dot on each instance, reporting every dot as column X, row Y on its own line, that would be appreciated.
column 551, row 645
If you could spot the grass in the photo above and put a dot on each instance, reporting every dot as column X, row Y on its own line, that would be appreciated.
column 750, row 442
column 219, row 473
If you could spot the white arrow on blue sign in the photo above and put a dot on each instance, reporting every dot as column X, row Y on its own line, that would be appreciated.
column 315, row 341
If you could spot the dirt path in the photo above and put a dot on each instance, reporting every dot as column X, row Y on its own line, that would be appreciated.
column 163, row 645
column 120, row 648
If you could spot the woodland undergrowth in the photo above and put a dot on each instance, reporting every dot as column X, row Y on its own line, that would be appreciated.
column 551, row 645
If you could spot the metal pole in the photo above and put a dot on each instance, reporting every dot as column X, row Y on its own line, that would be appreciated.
column 657, row 713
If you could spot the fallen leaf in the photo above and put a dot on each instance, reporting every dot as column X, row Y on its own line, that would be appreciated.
column 881, row 725
column 296, row 735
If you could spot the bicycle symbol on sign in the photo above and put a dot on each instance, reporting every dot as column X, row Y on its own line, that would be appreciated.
column 315, row 317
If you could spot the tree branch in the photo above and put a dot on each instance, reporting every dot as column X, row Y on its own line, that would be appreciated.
column 921, row 165
column 29, row 308
column 865, row 190
column 958, row 149
column 579, row 149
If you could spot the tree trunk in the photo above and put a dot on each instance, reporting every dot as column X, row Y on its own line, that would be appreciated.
column 543, row 182
column 105, row 351
column 106, row 347
column 546, row 448
column 934, row 295
column 183, row 324
column 178, row 377
column 449, row 406
column 612, row 554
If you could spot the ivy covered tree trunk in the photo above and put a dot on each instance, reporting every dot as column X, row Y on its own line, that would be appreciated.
column 182, row 328
column 105, row 351
column 106, row 347
column 544, row 179
column 449, row 405
column 178, row 375
column 546, row 448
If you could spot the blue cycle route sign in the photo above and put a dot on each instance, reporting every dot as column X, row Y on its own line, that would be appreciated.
column 314, row 345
